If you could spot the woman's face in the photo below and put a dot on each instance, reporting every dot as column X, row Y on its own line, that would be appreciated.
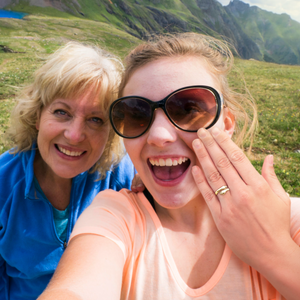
column 72, row 134
column 171, row 186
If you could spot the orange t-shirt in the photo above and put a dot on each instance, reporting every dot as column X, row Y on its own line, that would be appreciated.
column 150, row 272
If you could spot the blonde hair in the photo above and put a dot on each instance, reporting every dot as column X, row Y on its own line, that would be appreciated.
column 219, row 59
column 69, row 72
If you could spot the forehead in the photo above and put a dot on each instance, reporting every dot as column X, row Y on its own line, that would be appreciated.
column 87, row 101
column 159, row 78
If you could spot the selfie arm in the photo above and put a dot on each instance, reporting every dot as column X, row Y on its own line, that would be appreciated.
column 91, row 267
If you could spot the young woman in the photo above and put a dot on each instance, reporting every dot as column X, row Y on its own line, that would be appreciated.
column 64, row 154
column 208, row 226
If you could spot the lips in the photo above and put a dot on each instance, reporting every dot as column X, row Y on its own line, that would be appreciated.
column 69, row 152
column 168, row 169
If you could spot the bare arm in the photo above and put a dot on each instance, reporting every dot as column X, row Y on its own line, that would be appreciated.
column 254, row 215
column 91, row 266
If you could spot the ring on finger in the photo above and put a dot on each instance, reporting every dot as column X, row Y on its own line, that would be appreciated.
column 222, row 190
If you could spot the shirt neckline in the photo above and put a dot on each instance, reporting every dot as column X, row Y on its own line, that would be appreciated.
column 215, row 278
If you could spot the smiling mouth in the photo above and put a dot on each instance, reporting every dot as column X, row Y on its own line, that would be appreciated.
column 170, row 168
column 68, row 152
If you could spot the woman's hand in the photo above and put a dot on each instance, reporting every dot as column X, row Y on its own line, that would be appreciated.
column 254, row 215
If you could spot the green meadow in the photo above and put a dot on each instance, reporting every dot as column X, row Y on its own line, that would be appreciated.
column 276, row 88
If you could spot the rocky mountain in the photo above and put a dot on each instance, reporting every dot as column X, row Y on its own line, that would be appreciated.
column 277, row 36
column 255, row 33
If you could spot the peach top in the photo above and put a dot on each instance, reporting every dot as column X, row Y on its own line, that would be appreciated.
column 150, row 272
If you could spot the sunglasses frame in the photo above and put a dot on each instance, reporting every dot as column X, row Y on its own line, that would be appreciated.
column 162, row 104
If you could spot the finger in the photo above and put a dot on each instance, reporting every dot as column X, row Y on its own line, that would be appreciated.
column 268, row 173
column 217, row 162
column 209, row 196
column 236, row 157
column 212, row 175
column 137, row 185
column 138, row 189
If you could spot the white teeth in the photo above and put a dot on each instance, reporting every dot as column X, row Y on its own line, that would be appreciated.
column 162, row 162
column 68, row 152
column 167, row 162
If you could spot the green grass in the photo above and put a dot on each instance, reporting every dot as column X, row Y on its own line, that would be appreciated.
column 277, row 93
column 275, row 87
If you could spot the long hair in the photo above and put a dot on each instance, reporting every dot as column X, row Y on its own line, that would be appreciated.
column 69, row 72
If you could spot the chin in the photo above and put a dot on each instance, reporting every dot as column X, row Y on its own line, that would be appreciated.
column 67, row 174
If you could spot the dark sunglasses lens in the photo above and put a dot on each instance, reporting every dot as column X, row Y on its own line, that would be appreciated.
column 131, row 116
column 192, row 109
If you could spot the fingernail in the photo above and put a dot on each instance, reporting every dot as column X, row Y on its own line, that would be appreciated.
column 201, row 133
column 215, row 131
column 197, row 144
column 271, row 159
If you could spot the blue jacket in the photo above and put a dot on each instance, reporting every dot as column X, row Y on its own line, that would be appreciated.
column 29, row 246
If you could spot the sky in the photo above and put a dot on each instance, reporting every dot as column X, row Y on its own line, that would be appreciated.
column 290, row 7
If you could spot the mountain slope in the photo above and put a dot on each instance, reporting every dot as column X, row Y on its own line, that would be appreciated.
column 254, row 33
column 277, row 36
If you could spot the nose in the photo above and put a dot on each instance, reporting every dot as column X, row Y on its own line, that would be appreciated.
column 161, row 131
column 75, row 131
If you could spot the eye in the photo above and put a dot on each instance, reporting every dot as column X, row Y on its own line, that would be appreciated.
column 96, row 121
column 60, row 113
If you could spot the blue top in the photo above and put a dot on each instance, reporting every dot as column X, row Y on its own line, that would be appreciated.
column 29, row 245
column 60, row 217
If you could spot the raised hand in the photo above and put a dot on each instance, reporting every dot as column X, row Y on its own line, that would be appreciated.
column 253, row 216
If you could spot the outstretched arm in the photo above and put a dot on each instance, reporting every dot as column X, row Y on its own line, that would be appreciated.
column 254, row 215
column 91, row 268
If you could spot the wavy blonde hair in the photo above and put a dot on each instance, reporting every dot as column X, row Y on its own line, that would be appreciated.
column 69, row 72
column 219, row 59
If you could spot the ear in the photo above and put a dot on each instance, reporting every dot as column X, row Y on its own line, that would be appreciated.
column 229, row 122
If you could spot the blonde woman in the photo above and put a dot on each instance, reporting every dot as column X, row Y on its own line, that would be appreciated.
column 209, row 226
column 65, row 153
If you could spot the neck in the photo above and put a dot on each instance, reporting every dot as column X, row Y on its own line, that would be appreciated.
column 56, row 189
column 192, row 217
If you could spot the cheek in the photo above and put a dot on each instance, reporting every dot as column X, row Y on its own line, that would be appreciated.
column 99, row 141
column 133, row 148
column 220, row 123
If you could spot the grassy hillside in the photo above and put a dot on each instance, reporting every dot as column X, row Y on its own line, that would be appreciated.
column 275, row 87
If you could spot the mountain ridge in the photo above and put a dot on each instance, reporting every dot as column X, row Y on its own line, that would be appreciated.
column 254, row 33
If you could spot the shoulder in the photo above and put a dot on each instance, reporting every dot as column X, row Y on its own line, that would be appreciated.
column 7, row 159
column 121, row 175
column 295, row 219
column 115, row 215
column 13, row 174
column 123, row 202
column 11, row 169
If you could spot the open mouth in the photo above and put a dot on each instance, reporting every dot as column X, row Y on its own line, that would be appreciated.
column 68, row 152
column 170, row 168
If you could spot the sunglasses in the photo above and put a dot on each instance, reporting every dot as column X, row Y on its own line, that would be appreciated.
column 188, row 108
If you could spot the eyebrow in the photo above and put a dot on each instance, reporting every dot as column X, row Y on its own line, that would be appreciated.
column 94, row 112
